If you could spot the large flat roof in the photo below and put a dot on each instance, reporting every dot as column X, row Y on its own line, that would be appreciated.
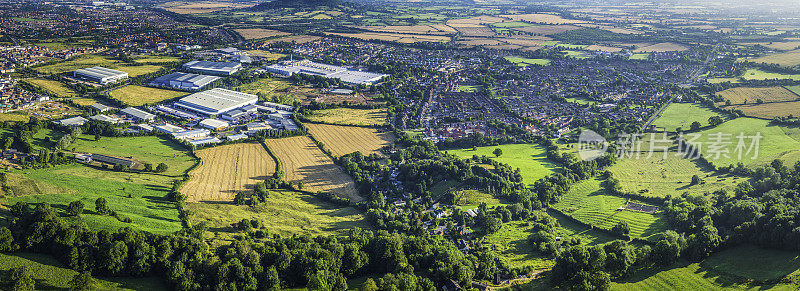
column 100, row 72
column 328, row 71
column 213, row 66
column 195, row 79
column 216, row 101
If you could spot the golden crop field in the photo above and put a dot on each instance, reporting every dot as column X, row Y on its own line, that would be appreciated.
column 476, row 31
column 303, row 161
column 188, row 7
column 603, row 48
column 661, row 47
column 257, row 33
column 342, row 140
column 53, row 87
column 137, row 95
column 542, row 18
column 782, row 45
column 770, row 110
column 791, row 58
column 294, row 39
column 396, row 37
column 349, row 116
column 226, row 170
column 547, row 29
column 745, row 95
column 417, row 29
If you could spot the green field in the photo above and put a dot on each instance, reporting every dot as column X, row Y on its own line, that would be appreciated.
column 658, row 177
column 147, row 205
column 349, row 116
column 284, row 213
column 530, row 159
column 473, row 198
column 137, row 95
column 757, row 74
column 524, row 62
column 512, row 24
column 639, row 56
column 54, row 87
column 147, row 149
column 577, row 54
column 682, row 115
column 85, row 61
column 50, row 274
column 468, row 88
column 774, row 144
column 756, row 263
column 578, row 100
column 272, row 90
column 586, row 202
column 157, row 59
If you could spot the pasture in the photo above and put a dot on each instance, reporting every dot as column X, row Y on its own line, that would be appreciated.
column 774, row 143
column 349, row 116
column 18, row 115
column 50, row 274
column 756, row 74
column 586, row 202
column 53, row 87
column 747, row 95
column 661, row 47
column 682, row 115
column 342, row 140
column 137, row 95
column 529, row 158
column 395, row 37
column 524, row 62
column 226, row 170
column 786, row 59
column 285, row 213
column 658, row 177
column 303, row 161
column 770, row 110
column 148, row 149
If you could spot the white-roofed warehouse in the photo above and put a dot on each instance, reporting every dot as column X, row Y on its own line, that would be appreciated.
column 216, row 101
column 100, row 75
column 213, row 68
column 184, row 81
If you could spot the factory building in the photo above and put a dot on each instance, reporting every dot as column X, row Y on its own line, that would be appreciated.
column 213, row 68
column 183, row 81
column 100, row 75
column 289, row 68
column 137, row 114
column 216, row 101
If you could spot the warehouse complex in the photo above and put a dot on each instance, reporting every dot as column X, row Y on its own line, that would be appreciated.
column 213, row 68
column 183, row 81
column 289, row 68
column 215, row 101
column 100, row 75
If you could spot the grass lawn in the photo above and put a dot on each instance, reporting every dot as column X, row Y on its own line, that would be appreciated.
column 137, row 95
column 148, row 207
column 50, row 274
column 147, row 149
column 134, row 71
column 577, row 54
column 524, row 62
column 284, row 213
column 639, row 57
column 470, row 198
column 54, row 87
column 15, row 116
column 579, row 100
column 349, row 116
column 529, row 158
column 753, row 262
column 587, row 203
column 79, row 62
column 774, row 144
column 682, row 115
column 157, row 59
column 468, row 88
column 672, row 176
column 757, row 74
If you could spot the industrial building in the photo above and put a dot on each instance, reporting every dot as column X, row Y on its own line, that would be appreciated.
column 289, row 68
column 216, row 101
column 100, row 75
column 127, row 162
column 73, row 121
column 137, row 114
column 213, row 68
column 214, row 124
column 183, row 81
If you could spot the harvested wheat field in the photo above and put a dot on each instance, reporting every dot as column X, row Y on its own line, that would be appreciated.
column 542, row 18
column 661, row 47
column 745, row 95
column 342, row 140
column 303, row 161
column 547, row 29
column 257, row 33
column 228, row 169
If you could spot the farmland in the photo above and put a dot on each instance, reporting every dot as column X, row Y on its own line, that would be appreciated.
column 303, row 161
column 774, row 144
column 342, row 140
column 226, row 170
column 85, row 61
column 349, row 116
column 661, row 47
column 770, row 110
column 258, row 33
column 395, row 37
column 682, row 115
column 530, row 159
column 524, row 62
column 745, row 95
column 586, row 202
column 137, row 95
column 53, row 87
column 284, row 212
column 787, row 59
column 756, row 74
column 657, row 177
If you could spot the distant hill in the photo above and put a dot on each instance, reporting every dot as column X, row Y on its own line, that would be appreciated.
column 275, row 4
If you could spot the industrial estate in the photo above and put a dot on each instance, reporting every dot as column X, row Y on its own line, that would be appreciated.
column 399, row 145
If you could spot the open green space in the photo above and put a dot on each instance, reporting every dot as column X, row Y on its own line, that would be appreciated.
column 468, row 88
column 531, row 159
column 349, row 116
column 578, row 100
column 587, row 202
column 757, row 74
column 774, row 143
column 53, row 87
column 756, row 263
column 577, row 54
column 137, row 95
column 512, row 24
column 475, row 197
column 50, row 274
column 147, row 149
column 659, row 177
column 79, row 62
column 285, row 213
column 639, row 57
column 524, row 62
column 682, row 115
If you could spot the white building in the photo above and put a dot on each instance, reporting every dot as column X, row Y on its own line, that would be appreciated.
column 100, row 75
column 216, row 101
column 214, row 124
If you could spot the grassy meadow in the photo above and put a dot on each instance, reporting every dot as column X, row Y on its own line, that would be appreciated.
column 53, row 87
column 658, row 177
column 524, row 62
column 137, row 95
column 682, row 115
column 86, row 61
column 148, row 149
column 530, row 159
column 774, row 144
column 349, row 116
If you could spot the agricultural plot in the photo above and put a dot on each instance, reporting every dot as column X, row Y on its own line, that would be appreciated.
column 285, row 213
column 524, row 62
column 226, row 170
column 770, row 110
column 52, row 110
column 682, row 115
column 661, row 47
column 53, row 87
column 746, row 95
column 342, row 140
column 258, row 33
column 786, row 59
column 15, row 116
column 639, row 57
column 137, row 95
column 79, row 62
column 303, row 161
column 396, row 37
column 547, row 29
column 148, row 149
column 658, row 177
column 602, row 48
column 349, row 116
column 415, row 29
column 156, row 59
column 756, row 74
column 773, row 144
column 530, row 159
column 541, row 18
column 83, row 101
column 781, row 45
column 190, row 7
column 586, row 202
